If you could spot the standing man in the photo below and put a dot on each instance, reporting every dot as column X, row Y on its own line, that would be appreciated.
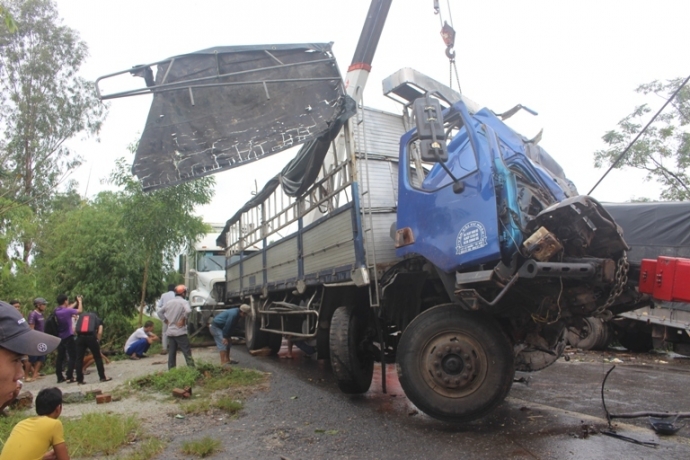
column 37, row 323
column 25, row 359
column 89, row 332
column 139, row 342
column 174, row 314
column 64, row 313
column 16, row 340
column 161, row 302
column 222, row 325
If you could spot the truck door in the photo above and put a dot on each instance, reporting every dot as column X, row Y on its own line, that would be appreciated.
column 449, row 215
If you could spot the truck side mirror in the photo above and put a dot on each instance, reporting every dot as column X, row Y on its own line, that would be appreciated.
column 429, row 120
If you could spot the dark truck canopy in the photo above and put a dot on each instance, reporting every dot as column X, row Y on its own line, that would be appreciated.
column 224, row 107
column 654, row 229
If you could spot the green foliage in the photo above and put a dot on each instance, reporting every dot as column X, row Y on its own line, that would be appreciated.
column 663, row 151
column 204, row 377
column 202, row 447
column 43, row 103
column 166, row 381
column 229, row 405
column 146, row 449
column 8, row 422
column 162, row 220
column 84, row 250
column 8, row 19
column 99, row 433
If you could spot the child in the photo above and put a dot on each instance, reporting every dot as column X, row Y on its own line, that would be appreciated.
column 32, row 438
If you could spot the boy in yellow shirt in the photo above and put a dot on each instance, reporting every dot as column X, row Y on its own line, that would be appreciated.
column 33, row 438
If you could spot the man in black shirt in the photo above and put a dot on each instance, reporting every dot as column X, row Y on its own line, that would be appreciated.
column 89, row 331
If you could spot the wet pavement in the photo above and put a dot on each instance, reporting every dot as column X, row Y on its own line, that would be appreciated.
column 557, row 414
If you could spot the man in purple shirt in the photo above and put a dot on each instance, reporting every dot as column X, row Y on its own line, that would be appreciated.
column 64, row 313
column 37, row 323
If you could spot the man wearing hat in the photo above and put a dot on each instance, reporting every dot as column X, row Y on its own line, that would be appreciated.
column 16, row 340
column 174, row 314
column 222, row 325
column 37, row 323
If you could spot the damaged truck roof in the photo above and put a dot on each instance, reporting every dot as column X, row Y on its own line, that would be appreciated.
column 224, row 107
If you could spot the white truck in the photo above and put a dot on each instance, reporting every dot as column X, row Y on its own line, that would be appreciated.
column 203, row 267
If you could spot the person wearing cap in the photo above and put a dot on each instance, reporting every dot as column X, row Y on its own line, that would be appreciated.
column 16, row 340
column 220, row 328
column 41, row 437
column 174, row 314
column 25, row 359
column 64, row 313
column 37, row 323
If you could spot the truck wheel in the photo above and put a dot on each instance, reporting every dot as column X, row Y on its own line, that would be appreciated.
column 590, row 334
column 275, row 341
column 352, row 364
column 255, row 338
column 454, row 365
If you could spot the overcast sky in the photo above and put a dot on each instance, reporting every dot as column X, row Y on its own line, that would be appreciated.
column 576, row 63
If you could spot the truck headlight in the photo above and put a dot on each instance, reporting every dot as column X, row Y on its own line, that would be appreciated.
column 197, row 299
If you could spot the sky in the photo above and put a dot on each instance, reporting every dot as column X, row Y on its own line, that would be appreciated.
column 575, row 63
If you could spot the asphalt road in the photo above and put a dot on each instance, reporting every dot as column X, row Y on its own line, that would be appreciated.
column 303, row 415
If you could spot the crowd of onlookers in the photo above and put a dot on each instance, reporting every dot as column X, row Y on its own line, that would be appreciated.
column 25, row 342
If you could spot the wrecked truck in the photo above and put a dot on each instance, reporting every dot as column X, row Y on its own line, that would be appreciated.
column 437, row 239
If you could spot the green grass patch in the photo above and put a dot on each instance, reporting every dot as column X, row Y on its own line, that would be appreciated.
column 202, row 447
column 145, row 450
column 205, row 377
column 99, row 433
column 166, row 381
column 8, row 422
column 206, row 404
column 229, row 405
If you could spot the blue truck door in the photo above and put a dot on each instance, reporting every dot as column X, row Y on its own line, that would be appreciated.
column 452, row 230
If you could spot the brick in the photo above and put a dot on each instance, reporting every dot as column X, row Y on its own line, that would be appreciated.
column 103, row 398
column 179, row 393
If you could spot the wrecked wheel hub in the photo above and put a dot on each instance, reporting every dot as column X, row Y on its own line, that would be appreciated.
column 455, row 364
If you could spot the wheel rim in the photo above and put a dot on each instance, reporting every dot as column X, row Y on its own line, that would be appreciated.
column 455, row 364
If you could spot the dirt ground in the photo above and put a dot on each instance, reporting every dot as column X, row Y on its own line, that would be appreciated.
column 161, row 415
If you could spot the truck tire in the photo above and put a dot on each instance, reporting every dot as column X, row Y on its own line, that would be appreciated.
column 255, row 338
column 275, row 341
column 454, row 365
column 591, row 334
column 352, row 364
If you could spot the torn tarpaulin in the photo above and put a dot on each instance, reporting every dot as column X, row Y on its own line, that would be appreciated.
column 224, row 107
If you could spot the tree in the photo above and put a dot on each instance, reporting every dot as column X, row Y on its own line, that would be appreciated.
column 8, row 19
column 663, row 151
column 161, row 220
column 43, row 103
column 84, row 250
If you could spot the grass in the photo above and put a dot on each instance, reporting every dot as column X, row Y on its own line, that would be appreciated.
column 205, row 377
column 145, row 450
column 202, row 447
column 99, row 433
column 204, row 405
column 8, row 422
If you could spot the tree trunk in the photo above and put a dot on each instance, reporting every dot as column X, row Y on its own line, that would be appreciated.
column 143, row 290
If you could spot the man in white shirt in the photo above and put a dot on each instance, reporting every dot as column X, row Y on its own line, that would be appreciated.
column 161, row 302
column 174, row 314
column 139, row 342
